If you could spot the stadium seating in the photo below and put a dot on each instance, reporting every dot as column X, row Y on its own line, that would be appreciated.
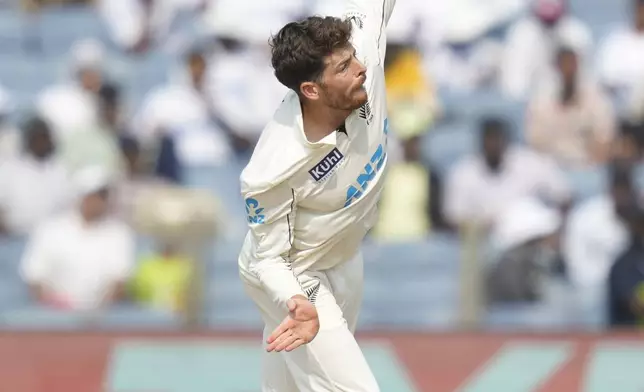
column 407, row 285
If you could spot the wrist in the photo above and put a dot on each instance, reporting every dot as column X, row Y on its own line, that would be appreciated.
column 299, row 296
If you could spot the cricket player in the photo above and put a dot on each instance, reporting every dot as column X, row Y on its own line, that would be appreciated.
column 311, row 190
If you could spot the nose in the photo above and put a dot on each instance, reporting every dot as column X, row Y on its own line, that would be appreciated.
column 362, row 70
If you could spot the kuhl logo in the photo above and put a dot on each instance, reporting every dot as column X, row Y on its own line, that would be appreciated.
column 253, row 212
column 326, row 165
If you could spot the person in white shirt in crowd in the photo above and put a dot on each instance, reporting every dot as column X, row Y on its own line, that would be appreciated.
column 183, row 109
column 481, row 186
column 71, row 105
column 533, row 41
column 137, row 183
column 620, row 60
column 136, row 25
column 34, row 184
column 9, row 135
column 596, row 233
column 245, row 92
column 460, row 47
column 525, row 241
column 97, row 145
column 570, row 118
column 81, row 259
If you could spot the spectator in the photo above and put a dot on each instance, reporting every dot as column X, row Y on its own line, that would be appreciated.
column 630, row 142
column 468, row 57
column 98, row 145
column 571, row 119
column 137, row 25
column 480, row 187
column 411, row 97
column 460, row 41
column 162, row 280
column 411, row 202
column 80, row 259
column 621, row 59
column 9, row 136
column 626, row 278
column 533, row 41
column 243, row 81
column 525, row 237
column 71, row 106
column 183, row 110
column 136, row 183
column 596, row 234
column 34, row 184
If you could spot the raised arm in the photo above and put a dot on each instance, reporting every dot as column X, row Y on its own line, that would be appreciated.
column 370, row 19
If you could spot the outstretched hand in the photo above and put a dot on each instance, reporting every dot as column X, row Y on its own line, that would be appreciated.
column 298, row 328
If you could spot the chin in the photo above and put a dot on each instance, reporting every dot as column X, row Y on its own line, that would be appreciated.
column 360, row 99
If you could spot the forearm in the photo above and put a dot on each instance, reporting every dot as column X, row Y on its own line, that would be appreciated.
column 278, row 279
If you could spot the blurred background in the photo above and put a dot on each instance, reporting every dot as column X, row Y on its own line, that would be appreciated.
column 512, row 202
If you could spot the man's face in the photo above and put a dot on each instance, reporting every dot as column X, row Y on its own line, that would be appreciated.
column 91, row 79
column 568, row 66
column 197, row 66
column 94, row 206
column 40, row 144
column 342, row 84
column 494, row 145
column 133, row 160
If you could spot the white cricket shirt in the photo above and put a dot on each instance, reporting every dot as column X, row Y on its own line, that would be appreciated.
column 309, row 205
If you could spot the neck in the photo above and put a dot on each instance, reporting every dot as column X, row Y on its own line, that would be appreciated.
column 568, row 92
column 320, row 121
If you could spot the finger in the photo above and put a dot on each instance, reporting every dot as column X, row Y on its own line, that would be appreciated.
column 283, row 327
column 286, row 342
column 297, row 343
column 279, row 340
column 291, row 305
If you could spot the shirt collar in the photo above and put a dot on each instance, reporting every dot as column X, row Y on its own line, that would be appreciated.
column 328, row 140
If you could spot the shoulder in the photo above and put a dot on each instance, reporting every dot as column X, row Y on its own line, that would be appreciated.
column 467, row 167
column 280, row 152
column 575, row 26
column 591, row 209
column 55, row 227
column 617, row 36
column 520, row 155
column 524, row 26
column 117, row 230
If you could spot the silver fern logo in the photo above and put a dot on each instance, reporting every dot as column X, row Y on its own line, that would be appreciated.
column 365, row 112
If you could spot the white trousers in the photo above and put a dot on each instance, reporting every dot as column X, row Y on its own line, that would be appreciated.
column 333, row 361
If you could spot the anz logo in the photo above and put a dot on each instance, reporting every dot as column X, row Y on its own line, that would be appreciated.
column 372, row 168
column 253, row 212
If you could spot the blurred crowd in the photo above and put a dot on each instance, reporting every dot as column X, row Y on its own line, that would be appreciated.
column 84, row 170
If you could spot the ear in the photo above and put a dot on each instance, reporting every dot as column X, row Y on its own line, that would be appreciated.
column 310, row 90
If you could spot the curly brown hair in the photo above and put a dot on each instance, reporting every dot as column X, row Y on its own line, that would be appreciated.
column 299, row 49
